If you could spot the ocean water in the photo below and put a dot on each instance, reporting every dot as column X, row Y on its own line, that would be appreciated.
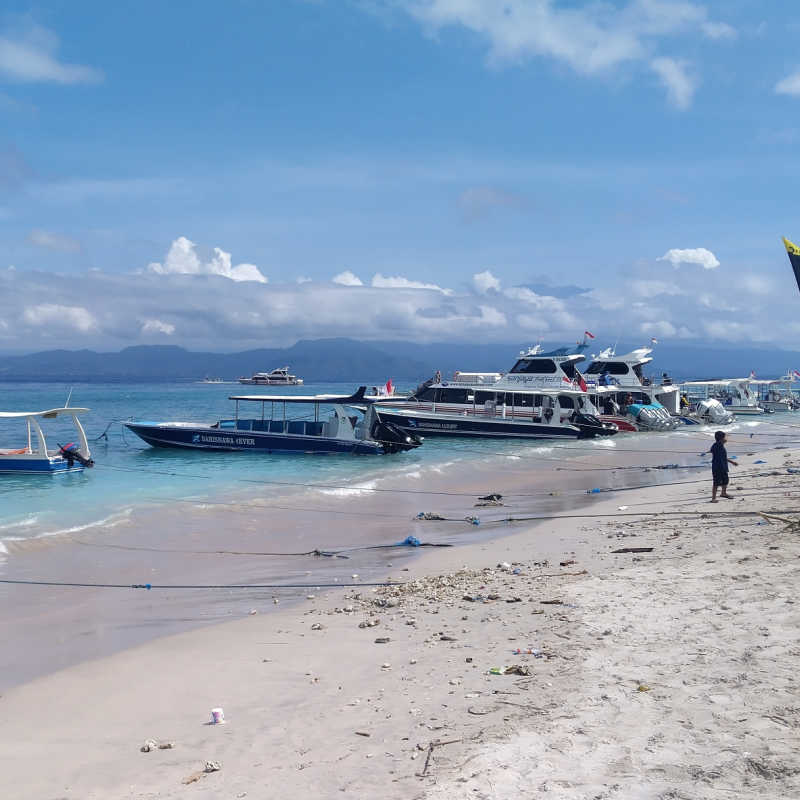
column 129, row 475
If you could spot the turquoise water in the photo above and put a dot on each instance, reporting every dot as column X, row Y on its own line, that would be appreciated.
column 128, row 473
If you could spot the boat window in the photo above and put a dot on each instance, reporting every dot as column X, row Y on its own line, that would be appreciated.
column 637, row 368
column 537, row 365
column 523, row 400
column 565, row 401
column 483, row 397
column 428, row 395
column 611, row 367
column 452, row 395
column 569, row 369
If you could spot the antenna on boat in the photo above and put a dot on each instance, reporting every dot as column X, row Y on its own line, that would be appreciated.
column 69, row 397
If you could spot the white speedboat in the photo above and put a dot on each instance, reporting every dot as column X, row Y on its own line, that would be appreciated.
column 538, row 398
column 35, row 456
column 629, row 399
column 277, row 377
column 733, row 393
column 777, row 395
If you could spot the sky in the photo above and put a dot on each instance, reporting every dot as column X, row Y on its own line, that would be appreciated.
column 228, row 176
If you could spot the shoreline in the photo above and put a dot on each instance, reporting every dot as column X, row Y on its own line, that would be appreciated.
column 300, row 685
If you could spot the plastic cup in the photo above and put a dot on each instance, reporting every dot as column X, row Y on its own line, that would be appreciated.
column 217, row 716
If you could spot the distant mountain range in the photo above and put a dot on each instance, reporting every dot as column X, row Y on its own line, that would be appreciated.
column 347, row 360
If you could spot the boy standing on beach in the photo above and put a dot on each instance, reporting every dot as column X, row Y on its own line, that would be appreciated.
column 719, row 466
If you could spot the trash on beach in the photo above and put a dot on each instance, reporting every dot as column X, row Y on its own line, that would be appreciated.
column 552, row 602
column 760, row 461
column 429, row 515
column 566, row 563
column 793, row 470
column 488, row 503
column 633, row 550
column 514, row 669
column 363, row 733
column 593, row 491
column 643, row 687
column 382, row 640
column 505, row 566
column 622, row 508
column 492, row 496
column 531, row 651
column 212, row 766
column 217, row 716
column 317, row 626
column 477, row 521
column 409, row 541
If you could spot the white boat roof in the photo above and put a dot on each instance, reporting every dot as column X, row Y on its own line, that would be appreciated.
column 53, row 412
column 298, row 398
column 716, row 382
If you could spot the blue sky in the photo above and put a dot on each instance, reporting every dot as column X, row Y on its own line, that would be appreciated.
column 417, row 169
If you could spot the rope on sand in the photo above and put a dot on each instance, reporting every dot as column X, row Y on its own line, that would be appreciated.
column 149, row 586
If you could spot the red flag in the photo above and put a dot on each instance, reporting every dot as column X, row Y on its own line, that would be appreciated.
column 590, row 335
column 582, row 383
column 389, row 387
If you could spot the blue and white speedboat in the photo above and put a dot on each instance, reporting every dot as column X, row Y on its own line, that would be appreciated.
column 352, row 426
column 34, row 456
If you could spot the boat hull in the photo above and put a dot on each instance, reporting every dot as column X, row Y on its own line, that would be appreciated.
column 36, row 466
column 473, row 426
column 204, row 437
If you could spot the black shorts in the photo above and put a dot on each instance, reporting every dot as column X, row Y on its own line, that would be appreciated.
column 720, row 477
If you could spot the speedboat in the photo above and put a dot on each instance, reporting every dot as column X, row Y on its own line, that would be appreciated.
column 777, row 395
column 733, row 393
column 35, row 456
column 539, row 398
column 277, row 377
column 626, row 397
column 706, row 412
column 352, row 426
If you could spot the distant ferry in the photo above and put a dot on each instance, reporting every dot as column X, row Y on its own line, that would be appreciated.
column 278, row 377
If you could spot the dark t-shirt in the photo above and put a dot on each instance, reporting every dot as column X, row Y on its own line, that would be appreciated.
column 719, row 457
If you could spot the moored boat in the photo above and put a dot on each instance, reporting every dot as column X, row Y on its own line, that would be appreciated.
column 35, row 457
column 733, row 393
column 629, row 399
column 277, row 377
column 351, row 426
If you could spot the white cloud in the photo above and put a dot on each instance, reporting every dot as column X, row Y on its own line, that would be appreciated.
column 58, row 316
column 484, row 281
column 696, row 255
column 789, row 85
column 182, row 259
column 676, row 80
column 660, row 328
column 31, row 56
column 303, row 279
column 347, row 278
column 399, row 282
column 592, row 38
column 54, row 241
column 157, row 326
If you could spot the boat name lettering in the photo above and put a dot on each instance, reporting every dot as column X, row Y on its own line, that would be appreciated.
column 240, row 440
column 536, row 380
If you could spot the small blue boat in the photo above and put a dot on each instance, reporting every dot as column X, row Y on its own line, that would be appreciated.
column 352, row 426
column 35, row 457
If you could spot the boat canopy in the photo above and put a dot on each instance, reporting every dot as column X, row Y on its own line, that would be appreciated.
column 53, row 412
column 339, row 399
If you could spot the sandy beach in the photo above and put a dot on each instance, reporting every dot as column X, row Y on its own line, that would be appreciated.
column 664, row 673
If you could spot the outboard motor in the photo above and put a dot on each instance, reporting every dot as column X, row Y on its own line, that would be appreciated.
column 713, row 411
column 393, row 438
column 590, row 426
column 71, row 453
